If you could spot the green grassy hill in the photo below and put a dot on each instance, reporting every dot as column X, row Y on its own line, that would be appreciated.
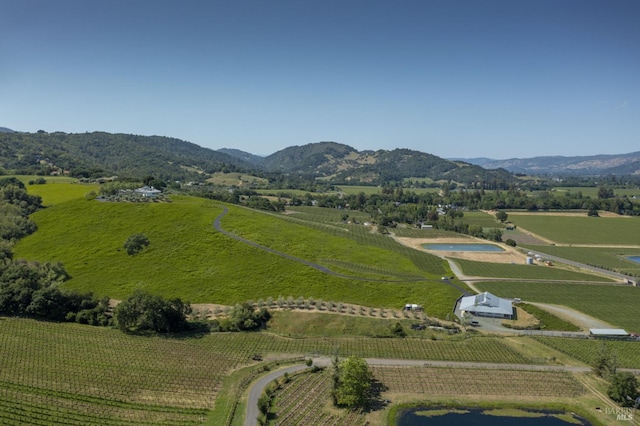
column 187, row 258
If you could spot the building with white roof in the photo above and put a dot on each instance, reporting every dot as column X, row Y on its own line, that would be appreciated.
column 487, row 305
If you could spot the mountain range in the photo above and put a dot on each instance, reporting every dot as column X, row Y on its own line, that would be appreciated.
column 105, row 154
column 620, row 164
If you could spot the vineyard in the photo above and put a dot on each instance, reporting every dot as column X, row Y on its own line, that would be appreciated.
column 540, row 272
column 627, row 353
column 302, row 400
column 616, row 305
column 87, row 374
column 442, row 381
column 612, row 258
column 571, row 229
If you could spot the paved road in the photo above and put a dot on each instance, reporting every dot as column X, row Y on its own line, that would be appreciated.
column 258, row 387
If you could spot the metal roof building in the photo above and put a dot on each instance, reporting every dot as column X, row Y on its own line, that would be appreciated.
column 487, row 305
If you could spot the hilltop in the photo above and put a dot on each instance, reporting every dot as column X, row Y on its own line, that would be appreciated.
column 100, row 154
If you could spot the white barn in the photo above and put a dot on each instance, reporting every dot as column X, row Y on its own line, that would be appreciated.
column 487, row 305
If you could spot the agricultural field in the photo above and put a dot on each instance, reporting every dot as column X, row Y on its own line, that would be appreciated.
column 612, row 258
column 327, row 215
column 616, row 305
column 304, row 398
column 459, row 382
column 537, row 272
column 485, row 220
column 237, row 179
column 593, row 191
column 302, row 401
column 368, row 190
column 185, row 248
column 627, row 353
column 570, row 229
column 86, row 374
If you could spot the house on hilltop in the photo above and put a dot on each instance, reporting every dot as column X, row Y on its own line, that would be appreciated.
column 487, row 305
column 148, row 191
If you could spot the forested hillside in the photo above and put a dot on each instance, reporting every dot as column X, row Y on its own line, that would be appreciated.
column 101, row 154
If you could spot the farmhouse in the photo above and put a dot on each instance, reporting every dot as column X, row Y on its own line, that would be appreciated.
column 486, row 305
column 148, row 191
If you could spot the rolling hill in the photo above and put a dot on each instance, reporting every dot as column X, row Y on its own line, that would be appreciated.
column 620, row 164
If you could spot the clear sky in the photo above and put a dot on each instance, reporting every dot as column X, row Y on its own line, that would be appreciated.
column 500, row 79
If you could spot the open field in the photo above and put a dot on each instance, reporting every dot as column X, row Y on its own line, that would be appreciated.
column 185, row 249
column 627, row 353
column 571, row 229
column 593, row 191
column 368, row 190
column 236, row 179
column 485, row 220
column 616, row 305
column 538, row 272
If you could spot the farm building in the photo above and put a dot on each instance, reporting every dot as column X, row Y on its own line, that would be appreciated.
column 487, row 305
column 608, row 333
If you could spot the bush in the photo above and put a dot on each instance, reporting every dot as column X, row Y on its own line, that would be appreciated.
column 135, row 244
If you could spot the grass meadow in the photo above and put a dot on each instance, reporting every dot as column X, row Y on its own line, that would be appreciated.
column 537, row 272
column 187, row 258
column 616, row 305
column 565, row 229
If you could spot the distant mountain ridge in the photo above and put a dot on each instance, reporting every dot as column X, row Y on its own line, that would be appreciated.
column 6, row 130
column 605, row 164
column 341, row 163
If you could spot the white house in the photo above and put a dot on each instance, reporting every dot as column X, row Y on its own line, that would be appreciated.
column 148, row 191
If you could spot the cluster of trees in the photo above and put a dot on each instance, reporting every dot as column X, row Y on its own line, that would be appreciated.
column 145, row 312
column 33, row 288
column 624, row 387
column 242, row 317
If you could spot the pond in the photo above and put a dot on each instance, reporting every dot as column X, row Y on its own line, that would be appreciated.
column 487, row 417
column 634, row 258
column 463, row 247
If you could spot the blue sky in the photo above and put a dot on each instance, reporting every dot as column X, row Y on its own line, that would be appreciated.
column 476, row 78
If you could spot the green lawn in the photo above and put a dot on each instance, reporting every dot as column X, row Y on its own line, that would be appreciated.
column 617, row 305
column 538, row 272
column 623, row 230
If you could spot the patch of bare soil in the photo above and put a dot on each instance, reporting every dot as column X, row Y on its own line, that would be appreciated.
column 510, row 255
column 523, row 319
